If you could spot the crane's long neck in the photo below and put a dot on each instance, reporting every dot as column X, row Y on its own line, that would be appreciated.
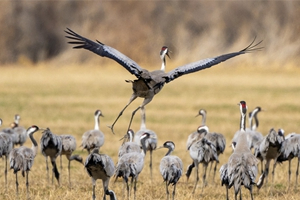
column 243, row 122
column 143, row 118
column 34, row 145
column 256, row 124
column 130, row 136
column 171, row 149
column 203, row 119
column 250, row 120
column 97, row 122
column 163, row 64
column 143, row 142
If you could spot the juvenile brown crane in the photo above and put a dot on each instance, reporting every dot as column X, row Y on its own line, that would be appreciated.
column 148, row 84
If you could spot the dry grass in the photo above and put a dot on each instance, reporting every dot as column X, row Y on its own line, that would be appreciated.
column 65, row 99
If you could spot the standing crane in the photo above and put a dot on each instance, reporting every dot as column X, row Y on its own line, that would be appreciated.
column 131, row 165
column 270, row 150
column 6, row 145
column 100, row 166
column 51, row 145
column 21, row 159
column 148, row 84
column 290, row 149
column 151, row 142
column 130, row 146
column 68, row 146
column 93, row 138
column 242, row 164
column 202, row 151
column 20, row 131
column 170, row 167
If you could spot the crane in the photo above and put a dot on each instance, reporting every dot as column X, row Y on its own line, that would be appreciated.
column 100, row 166
column 21, row 159
column 170, row 167
column 148, row 84
column 51, row 145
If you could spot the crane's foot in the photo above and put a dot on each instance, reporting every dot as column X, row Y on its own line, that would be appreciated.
column 111, row 128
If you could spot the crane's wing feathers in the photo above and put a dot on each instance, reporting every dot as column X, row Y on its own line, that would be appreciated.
column 208, row 62
column 104, row 51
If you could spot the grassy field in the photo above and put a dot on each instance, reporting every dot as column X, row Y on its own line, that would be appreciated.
column 65, row 99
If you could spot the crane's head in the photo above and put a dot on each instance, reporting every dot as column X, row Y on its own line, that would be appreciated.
column 98, row 113
column 32, row 129
column 203, row 130
column 201, row 112
column 164, row 51
column 243, row 107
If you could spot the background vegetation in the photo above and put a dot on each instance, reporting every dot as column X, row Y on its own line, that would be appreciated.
column 33, row 30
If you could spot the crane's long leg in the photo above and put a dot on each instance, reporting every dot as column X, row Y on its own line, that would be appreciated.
column 27, row 184
column 251, row 194
column 150, row 165
column 205, row 165
column 197, row 176
column 60, row 162
column 267, row 170
column 273, row 171
column 47, row 168
column 289, row 174
column 94, row 186
column 134, row 188
column 215, row 169
column 174, row 192
column 167, row 190
column 145, row 102
column 105, row 188
column 5, row 171
column 132, row 98
column 297, row 173
column 17, row 184
column 227, row 197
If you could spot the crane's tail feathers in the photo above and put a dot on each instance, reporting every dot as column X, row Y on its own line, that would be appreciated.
column 260, row 181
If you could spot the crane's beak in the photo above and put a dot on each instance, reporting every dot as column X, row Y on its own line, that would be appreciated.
column 168, row 54
column 125, row 137
column 160, row 147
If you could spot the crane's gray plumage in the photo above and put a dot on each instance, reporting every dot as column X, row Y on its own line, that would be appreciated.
column 68, row 147
column 151, row 142
column 19, row 131
column 130, row 146
column 148, row 83
column 195, row 135
column 93, row 138
column 270, row 150
column 170, row 167
column 100, row 166
column 202, row 151
column 224, row 178
column 51, row 145
column 242, row 164
column 290, row 149
column 6, row 145
column 131, row 165
column 21, row 159
column 217, row 139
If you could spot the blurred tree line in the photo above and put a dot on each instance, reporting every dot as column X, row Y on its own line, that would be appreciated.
column 192, row 29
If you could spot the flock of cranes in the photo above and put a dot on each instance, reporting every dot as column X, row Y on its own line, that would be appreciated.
column 204, row 146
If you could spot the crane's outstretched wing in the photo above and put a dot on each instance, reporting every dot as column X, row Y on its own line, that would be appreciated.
column 104, row 51
column 206, row 63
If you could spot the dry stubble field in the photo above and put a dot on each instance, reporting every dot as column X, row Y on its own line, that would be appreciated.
column 65, row 98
